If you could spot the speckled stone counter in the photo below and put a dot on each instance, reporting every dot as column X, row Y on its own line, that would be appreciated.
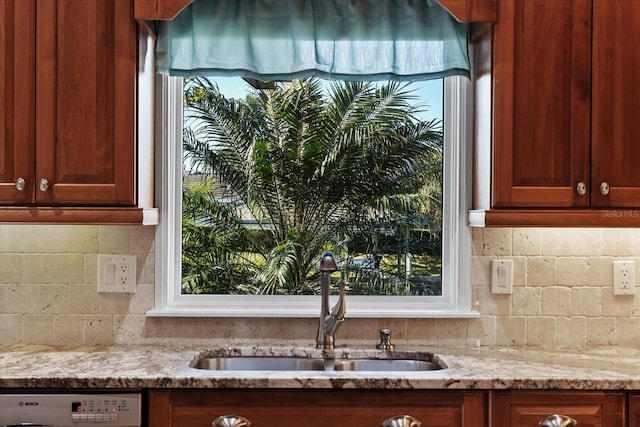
column 172, row 367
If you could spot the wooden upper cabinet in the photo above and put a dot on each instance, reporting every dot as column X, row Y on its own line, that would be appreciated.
column 85, row 106
column 542, row 95
column 17, row 100
column 528, row 408
column 616, row 103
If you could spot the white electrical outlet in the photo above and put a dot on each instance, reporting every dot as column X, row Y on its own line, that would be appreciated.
column 117, row 273
column 502, row 276
column 624, row 278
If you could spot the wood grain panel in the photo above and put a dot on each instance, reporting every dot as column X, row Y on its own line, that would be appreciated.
column 616, row 103
column 541, row 103
column 86, row 101
column 17, row 95
column 525, row 409
column 315, row 408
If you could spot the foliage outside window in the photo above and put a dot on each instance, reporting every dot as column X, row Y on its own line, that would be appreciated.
column 280, row 176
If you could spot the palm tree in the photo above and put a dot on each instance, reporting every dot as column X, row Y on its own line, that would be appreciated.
column 309, row 168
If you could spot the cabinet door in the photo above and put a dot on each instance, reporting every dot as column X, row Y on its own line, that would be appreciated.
column 526, row 409
column 634, row 410
column 315, row 408
column 616, row 103
column 542, row 87
column 85, row 109
column 17, row 100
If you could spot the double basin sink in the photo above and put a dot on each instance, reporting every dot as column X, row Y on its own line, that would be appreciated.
column 426, row 362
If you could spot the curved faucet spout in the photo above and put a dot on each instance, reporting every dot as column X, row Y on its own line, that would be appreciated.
column 330, row 321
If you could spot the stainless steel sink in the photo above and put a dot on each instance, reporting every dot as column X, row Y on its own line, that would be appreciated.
column 386, row 365
column 292, row 363
column 261, row 363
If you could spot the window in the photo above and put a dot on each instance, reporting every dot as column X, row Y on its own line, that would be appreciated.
column 455, row 300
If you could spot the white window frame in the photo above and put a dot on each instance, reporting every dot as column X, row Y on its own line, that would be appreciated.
column 455, row 300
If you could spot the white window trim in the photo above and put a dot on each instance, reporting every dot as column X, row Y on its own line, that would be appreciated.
column 456, row 239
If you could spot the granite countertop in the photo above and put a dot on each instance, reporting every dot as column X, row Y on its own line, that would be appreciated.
column 168, row 366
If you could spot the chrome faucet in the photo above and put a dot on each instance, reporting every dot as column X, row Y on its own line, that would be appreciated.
column 330, row 321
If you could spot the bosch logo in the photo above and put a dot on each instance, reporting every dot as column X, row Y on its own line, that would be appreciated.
column 28, row 403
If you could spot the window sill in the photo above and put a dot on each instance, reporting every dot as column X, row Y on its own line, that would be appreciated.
column 308, row 306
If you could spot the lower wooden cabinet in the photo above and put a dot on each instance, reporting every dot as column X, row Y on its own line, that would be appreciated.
column 528, row 408
column 634, row 410
column 315, row 408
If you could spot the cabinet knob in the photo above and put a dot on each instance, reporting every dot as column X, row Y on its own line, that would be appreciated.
column 44, row 184
column 401, row 421
column 20, row 184
column 604, row 188
column 231, row 421
column 581, row 188
column 556, row 420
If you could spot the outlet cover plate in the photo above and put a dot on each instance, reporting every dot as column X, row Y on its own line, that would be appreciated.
column 117, row 273
column 624, row 278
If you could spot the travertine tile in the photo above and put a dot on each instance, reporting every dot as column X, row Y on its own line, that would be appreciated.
column 541, row 331
column 586, row 302
column 497, row 242
column 97, row 329
column 68, row 268
column 17, row 239
column 616, row 305
column 423, row 331
column 68, row 329
column 11, row 328
column 541, row 271
column 482, row 331
column 481, row 270
column 572, row 242
column 600, row 271
column 18, row 299
column 620, row 241
column 571, row 332
column 141, row 239
column 51, row 238
column 489, row 304
column 83, row 239
column 38, row 268
column 526, row 302
column 452, row 332
column 527, row 242
column 571, row 271
column 53, row 299
column 113, row 240
column 627, row 331
column 601, row 332
column 83, row 299
column 556, row 301
column 511, row 331
column 38, row 328
column 11, row 268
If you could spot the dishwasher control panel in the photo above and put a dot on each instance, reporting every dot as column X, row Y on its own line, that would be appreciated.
column 88, row 409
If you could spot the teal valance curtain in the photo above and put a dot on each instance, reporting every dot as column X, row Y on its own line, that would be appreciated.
column 332, row 39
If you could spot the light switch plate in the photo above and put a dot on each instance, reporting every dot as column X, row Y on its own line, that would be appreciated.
column 117, row 273
column 501, row 276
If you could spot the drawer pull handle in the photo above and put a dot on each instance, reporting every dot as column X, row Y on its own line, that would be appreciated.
column 556, row 420
column 581, row 188
column 20, row 184
column 231, row 421
column 604, row 188
column 401, row 421
column 44, row 184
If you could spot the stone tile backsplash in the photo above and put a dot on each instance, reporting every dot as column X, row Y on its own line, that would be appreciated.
column 562, row 298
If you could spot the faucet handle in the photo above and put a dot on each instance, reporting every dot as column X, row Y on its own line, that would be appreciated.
column 385, row 340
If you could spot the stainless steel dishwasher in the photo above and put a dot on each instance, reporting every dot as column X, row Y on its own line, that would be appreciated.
column 76, row 409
